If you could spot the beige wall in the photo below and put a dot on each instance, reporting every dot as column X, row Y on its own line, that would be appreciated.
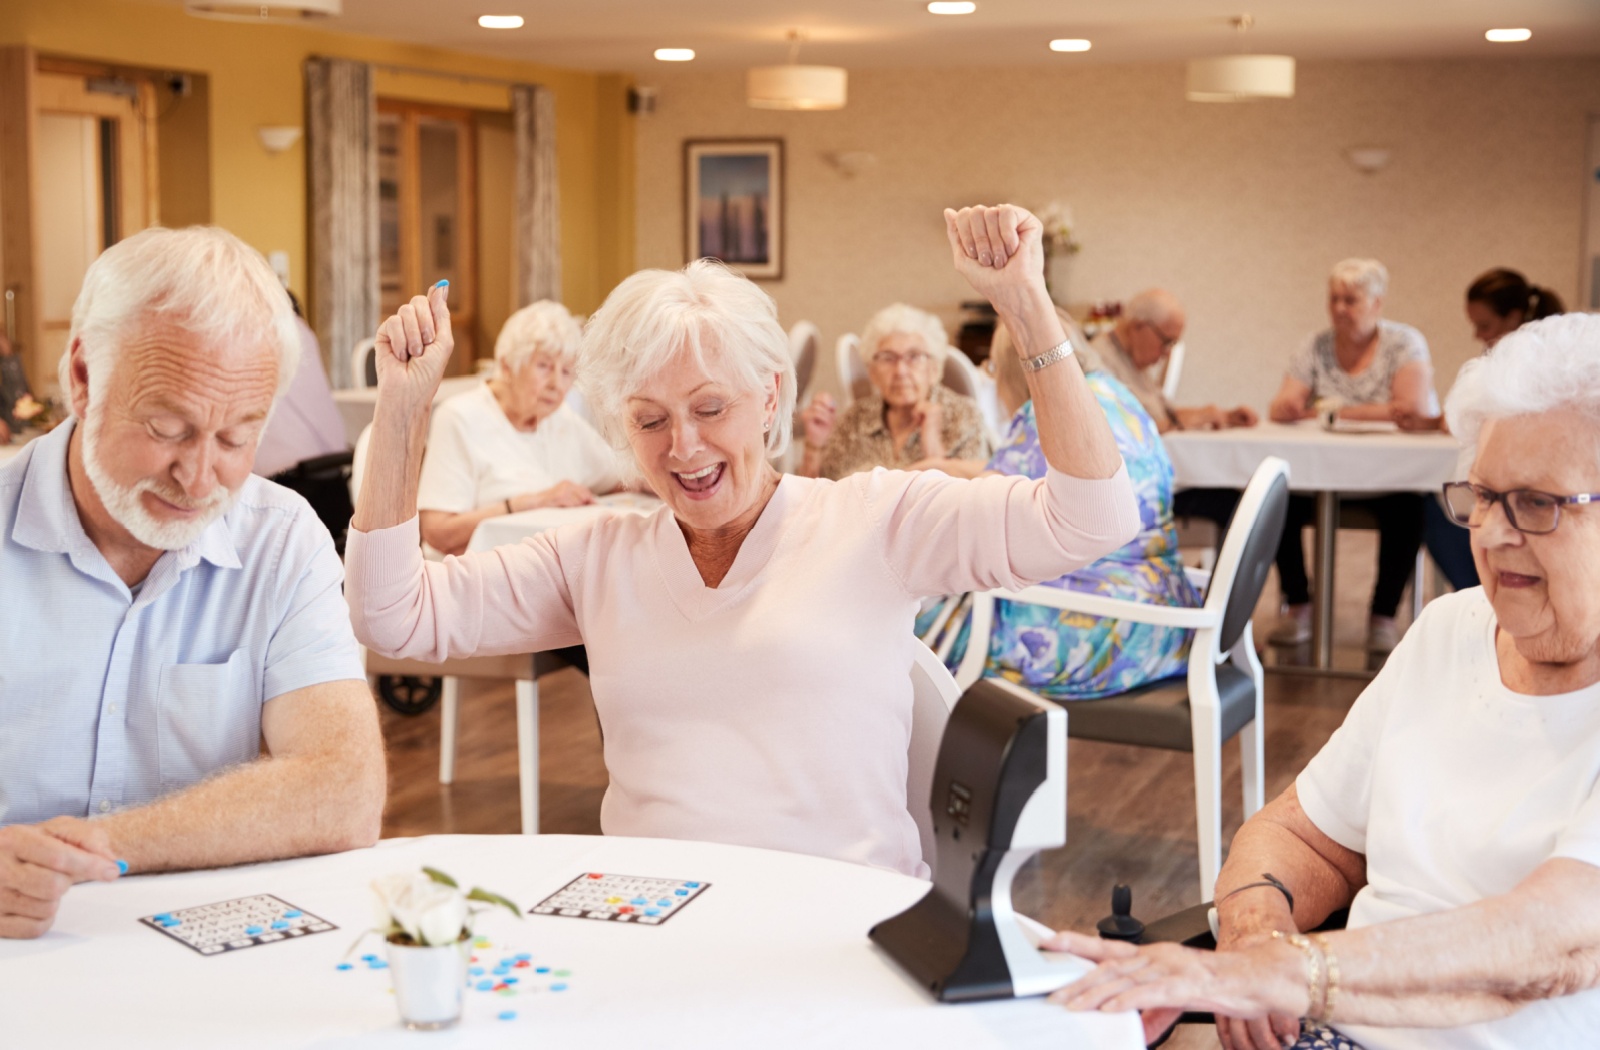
column 1240, row 209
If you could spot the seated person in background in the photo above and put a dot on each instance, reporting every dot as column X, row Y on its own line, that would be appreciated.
column 1456, row 813
column 1374, row 369
column 1142, row 338
column 910, row 417
column 305, row 426
column 168, row 613
column 1067, row 655
column 13, row 384
column 1498, row 303
column 513, row 444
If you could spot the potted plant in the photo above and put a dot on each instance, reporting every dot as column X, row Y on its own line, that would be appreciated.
column 1058, row 240
column 426, row 921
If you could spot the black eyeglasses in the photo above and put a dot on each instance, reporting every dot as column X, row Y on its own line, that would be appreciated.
column 1167, row 341
column 1527, row 510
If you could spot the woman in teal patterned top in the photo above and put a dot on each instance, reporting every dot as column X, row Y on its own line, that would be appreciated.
column 1070, row 656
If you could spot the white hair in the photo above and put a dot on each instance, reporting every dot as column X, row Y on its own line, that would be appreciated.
column 1154, row 306
column 705, row 309
column 1542, row 366
column 545, row 327
column 1369, row 275
column 201, row 278
column 900, row 319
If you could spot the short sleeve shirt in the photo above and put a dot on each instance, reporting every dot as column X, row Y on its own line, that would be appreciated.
column 111, row 698
column 861, row 438
column 1316, row 365
column 476, row 457
column 1456, row 788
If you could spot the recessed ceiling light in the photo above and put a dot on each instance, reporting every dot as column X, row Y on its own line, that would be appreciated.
column 1508, row 36
column 500, row 21
column 1069, row 45
column 952, row 7
column 675, row 54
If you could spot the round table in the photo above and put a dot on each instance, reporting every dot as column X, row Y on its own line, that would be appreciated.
column 773, row 954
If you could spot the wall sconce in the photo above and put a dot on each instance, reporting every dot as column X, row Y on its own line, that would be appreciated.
column 275, row 138
column 1369, row 160
column 850, row 163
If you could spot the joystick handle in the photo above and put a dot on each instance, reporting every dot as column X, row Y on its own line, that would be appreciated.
column 1120, row 925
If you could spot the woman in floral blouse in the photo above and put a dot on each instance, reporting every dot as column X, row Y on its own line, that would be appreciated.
column 1067, row 655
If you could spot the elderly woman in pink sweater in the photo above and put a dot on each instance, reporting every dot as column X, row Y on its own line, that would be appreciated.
column 750, row 642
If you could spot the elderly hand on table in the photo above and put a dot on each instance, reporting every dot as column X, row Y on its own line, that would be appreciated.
column 1265, row 979
column 561, row 494
column 39, row 863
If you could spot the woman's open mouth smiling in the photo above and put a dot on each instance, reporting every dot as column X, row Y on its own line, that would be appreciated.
column 700, row 484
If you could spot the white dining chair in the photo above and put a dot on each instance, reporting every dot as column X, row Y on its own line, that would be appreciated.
column 804, row 339
column 360, row 356
column 1172, row 373
column 523, row 669
column 968, row 380
column 852, row 371
column 1221, row 694
column 933, row 694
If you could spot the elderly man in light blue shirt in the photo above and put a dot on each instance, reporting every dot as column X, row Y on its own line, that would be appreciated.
column 180, row 687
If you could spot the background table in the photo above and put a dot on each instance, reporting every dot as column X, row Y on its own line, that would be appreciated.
column 356, row 405
column 1323, row 462
column 513, row 528
column 773, row 954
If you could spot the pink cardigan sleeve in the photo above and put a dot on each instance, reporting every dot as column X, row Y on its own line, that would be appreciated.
column 945, row 535
column 513, row 599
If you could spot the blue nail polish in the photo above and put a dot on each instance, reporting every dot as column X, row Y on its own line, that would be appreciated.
column 122, row 867
column 443, row 283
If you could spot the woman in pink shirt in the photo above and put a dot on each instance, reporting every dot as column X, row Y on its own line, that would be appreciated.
column 750, row 642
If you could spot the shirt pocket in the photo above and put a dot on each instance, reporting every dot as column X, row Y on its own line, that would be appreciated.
column 209, row 719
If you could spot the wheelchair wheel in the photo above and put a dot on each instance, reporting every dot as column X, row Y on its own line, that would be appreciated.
column 409, row 694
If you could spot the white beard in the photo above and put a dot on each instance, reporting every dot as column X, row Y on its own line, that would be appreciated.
column 127, row 509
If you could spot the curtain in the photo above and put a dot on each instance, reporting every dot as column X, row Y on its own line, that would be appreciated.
column 343, row 153
column 538, row 215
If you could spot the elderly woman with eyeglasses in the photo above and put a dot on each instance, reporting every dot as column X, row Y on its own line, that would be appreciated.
column 750, row 642
column 911, row 419
column 1456, row 813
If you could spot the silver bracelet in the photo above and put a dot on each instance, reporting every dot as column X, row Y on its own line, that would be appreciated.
column 1060, row 352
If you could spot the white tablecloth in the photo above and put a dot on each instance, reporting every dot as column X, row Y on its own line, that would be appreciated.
column 513, row 528
column 773, row 954
column 356, row 406
column 1319, row 460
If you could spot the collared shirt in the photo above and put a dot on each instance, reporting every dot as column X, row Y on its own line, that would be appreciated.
column 111, row 698
column 861, row 438
column 1108, row 355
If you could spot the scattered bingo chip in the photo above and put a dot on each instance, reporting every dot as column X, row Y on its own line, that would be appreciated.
column 214, row 929
column 629, row 899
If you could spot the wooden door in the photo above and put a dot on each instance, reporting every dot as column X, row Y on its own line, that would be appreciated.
column 427, row 212
column 79, row 174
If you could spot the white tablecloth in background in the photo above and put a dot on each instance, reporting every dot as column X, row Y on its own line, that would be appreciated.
column 356, row 406
column 1319, row 461
column 513, row 528
column 773, row 954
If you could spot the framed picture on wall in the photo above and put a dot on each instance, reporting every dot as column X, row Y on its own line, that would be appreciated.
column 733, row 204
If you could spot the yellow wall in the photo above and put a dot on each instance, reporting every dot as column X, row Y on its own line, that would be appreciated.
column 255, row 78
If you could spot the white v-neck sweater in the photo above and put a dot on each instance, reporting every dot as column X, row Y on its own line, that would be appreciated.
column 775, row 709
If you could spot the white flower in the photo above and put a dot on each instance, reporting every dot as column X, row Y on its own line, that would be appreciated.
column 430, row 912
column 1056, row 218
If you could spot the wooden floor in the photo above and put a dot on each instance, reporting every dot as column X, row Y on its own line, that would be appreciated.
column 1131, row 810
